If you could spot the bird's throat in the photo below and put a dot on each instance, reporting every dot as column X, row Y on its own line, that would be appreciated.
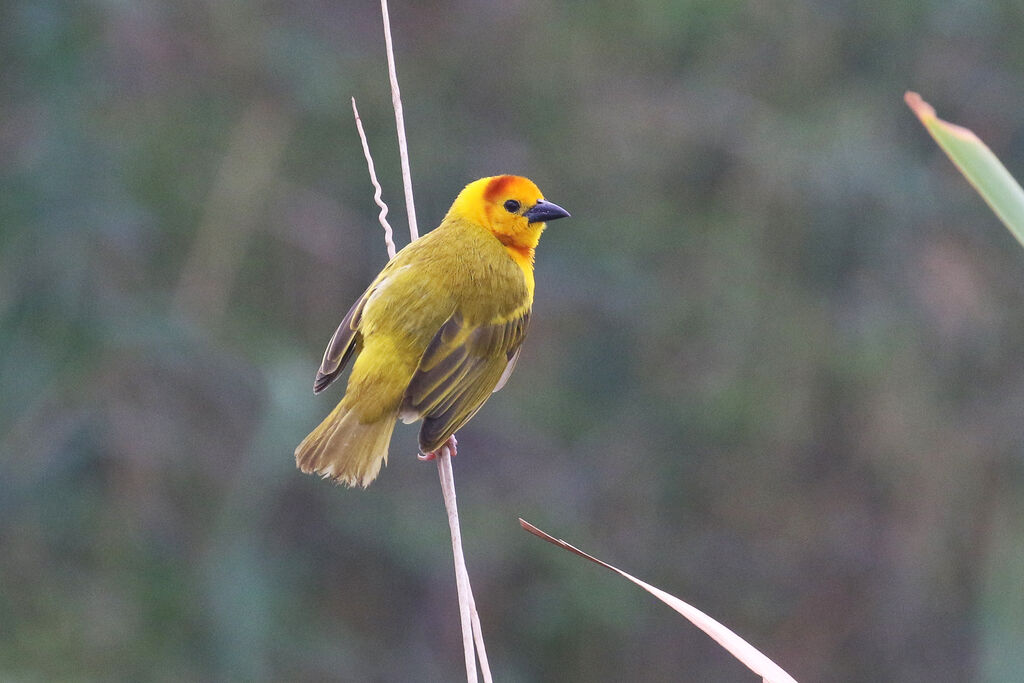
column 516, row 249
column 522, row 254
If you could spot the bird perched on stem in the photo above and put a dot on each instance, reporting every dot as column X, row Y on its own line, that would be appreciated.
column 436, row 332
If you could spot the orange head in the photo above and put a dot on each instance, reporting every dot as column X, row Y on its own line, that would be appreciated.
column 510, row 206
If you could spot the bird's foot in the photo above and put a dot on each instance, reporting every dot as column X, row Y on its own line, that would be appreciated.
column 450, row 445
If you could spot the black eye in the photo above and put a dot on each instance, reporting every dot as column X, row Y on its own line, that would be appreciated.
column 512, row 206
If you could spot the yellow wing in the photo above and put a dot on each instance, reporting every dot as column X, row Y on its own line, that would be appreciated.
column 346, row 339
column 460, row 369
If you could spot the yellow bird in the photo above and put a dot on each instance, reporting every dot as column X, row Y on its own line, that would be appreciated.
column 436, row 332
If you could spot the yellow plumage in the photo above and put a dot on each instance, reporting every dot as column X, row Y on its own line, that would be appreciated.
column 435, row 333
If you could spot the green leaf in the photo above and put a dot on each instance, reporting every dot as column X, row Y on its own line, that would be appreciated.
column 757, row 662
column 977, row 163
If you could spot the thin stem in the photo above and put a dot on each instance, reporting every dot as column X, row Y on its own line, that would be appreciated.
column 471, row 631
column 382, row 217
column 478, row 634
column 466, row 606
column 396, row 100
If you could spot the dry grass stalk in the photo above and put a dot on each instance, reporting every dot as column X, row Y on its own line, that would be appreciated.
column 382, row 216
column 472, row 634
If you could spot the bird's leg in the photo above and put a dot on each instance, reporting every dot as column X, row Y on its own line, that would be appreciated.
column 450, row 444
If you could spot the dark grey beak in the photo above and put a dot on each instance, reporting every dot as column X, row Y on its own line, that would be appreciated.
column 545, row 211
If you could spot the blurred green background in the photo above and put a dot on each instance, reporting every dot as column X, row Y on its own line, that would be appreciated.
column 775, row 365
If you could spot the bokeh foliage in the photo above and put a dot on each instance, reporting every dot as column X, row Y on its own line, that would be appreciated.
column 774, row 367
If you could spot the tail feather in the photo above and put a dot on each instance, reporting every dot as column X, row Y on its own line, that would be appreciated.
column 344, row 449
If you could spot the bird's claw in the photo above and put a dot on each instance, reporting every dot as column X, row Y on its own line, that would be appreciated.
column 450, row 445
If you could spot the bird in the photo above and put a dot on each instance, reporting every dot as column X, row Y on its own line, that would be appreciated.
column 436, row 332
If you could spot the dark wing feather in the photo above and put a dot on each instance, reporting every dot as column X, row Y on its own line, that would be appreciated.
column 461, row 367
column 509, row 367
column 343, row 343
